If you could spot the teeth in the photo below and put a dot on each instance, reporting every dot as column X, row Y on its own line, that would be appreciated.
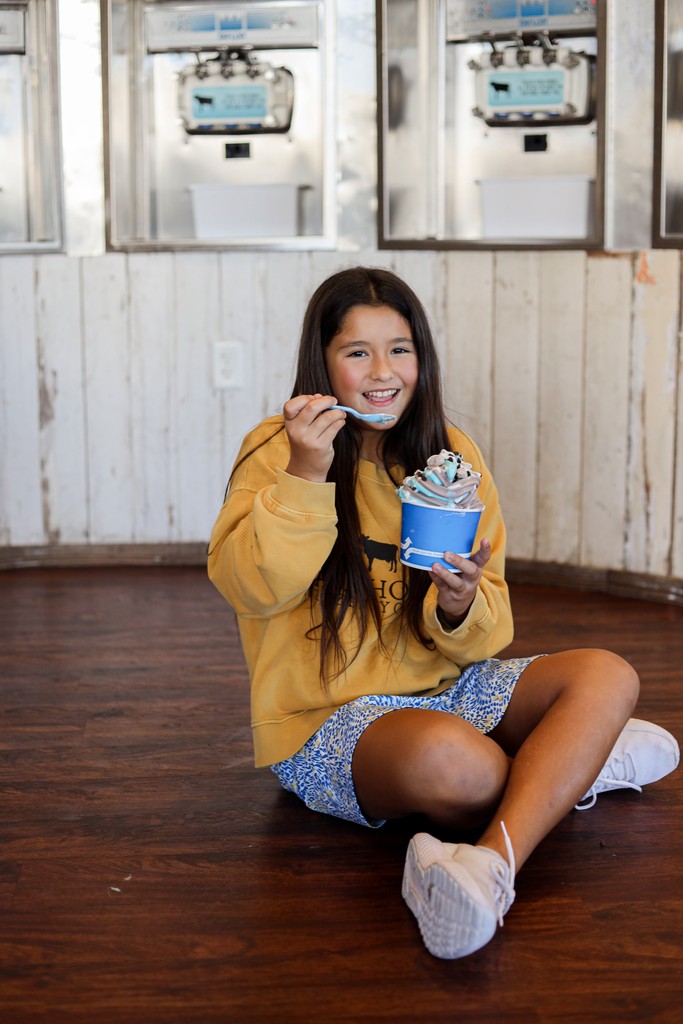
column 382, row 394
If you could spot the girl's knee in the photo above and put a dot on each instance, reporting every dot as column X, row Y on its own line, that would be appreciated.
column 615, row 676
column 460, row 774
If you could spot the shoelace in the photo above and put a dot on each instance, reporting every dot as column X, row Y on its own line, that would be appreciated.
column 617, row 774
column 592, row 794
column 505, row 892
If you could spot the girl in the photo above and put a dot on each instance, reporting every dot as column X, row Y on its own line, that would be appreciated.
column 375, row 689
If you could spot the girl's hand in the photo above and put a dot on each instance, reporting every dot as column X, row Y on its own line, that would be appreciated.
column 311, row 428
column 456, row 591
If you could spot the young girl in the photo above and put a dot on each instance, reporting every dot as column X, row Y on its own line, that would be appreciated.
column 375, row 690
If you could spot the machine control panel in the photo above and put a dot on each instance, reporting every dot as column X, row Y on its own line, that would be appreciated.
column 224, row 26
column 465, row 18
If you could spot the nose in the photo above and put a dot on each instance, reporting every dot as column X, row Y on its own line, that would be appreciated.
column 381, row 368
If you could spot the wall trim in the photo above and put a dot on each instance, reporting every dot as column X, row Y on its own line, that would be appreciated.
column 56, row 556
column 618, row 582
column 641, row 586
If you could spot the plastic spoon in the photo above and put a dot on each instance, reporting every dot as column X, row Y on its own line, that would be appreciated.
column 368, row 417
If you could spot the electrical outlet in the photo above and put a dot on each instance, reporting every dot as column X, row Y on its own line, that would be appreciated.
column 228, row 364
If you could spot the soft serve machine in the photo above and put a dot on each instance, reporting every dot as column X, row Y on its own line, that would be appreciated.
column 497, row 123
column 218, row 124
column 490, row 120
column 30, row 156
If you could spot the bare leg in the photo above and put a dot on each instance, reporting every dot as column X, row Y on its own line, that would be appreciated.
column 565, row 714
column 428, row 762
column 564, row 717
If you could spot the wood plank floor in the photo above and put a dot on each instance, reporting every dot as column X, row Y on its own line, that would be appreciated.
column 149, row 874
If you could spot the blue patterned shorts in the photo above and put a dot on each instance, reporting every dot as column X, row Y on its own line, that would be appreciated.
column 320, row 773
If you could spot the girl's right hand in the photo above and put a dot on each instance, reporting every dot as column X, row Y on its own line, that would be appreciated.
column 311, row 427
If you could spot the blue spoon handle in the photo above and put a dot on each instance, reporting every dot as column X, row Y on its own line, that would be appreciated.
column 368, row 417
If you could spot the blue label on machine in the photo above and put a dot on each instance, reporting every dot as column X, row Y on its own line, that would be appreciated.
column 261, row 19
column 230, row 22
column 525, row 90
column 196, row 22
column 565, row 8
column 174, row 27
column 467, row 17
column 229, row 103
column 501, row 9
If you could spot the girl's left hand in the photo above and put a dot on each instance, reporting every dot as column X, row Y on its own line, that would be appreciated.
column 457, row 590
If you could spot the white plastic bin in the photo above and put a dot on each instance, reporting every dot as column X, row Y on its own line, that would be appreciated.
column 537, row 207
column 245, row 211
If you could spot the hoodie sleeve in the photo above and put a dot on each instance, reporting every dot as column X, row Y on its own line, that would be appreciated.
column 273, row 534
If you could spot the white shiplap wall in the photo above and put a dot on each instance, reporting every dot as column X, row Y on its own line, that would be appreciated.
column 566, row 367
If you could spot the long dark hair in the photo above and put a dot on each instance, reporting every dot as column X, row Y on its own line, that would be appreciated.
column 344, row 584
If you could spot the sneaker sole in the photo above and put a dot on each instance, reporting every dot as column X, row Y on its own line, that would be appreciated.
column 451, row 921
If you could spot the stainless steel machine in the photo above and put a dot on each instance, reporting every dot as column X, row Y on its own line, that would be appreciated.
column 491, row 122
column 219, row 124
column 30, row 157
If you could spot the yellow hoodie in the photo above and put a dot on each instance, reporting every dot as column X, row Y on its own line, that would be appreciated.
column 270, row 540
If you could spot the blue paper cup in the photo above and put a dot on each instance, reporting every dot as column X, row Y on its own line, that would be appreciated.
column 428, row 532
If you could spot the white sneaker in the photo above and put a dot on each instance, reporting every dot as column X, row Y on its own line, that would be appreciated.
column 458, row 893
column 643, row 753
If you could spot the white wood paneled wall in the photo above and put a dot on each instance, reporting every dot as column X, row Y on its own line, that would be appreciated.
column 567, row 368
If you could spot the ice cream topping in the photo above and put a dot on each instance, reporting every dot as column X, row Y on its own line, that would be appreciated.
column 447, row 481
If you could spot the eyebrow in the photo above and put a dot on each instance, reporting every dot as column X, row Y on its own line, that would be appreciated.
column 363, row 341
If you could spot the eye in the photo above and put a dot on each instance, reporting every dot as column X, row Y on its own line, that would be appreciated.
column 403, row 349
column 356, row 353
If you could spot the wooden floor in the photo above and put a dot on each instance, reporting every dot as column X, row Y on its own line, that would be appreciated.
column 149, row 874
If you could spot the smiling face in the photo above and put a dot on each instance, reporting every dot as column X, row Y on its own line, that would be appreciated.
column 373, row 367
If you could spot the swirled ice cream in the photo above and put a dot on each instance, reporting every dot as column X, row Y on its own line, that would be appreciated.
column 447, row 481
column 440, row 511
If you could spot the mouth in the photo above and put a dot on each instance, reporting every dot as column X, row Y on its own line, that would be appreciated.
column 380, row 397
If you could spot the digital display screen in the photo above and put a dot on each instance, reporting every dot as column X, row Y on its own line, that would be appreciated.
column 525, row 90
column 221, row 103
